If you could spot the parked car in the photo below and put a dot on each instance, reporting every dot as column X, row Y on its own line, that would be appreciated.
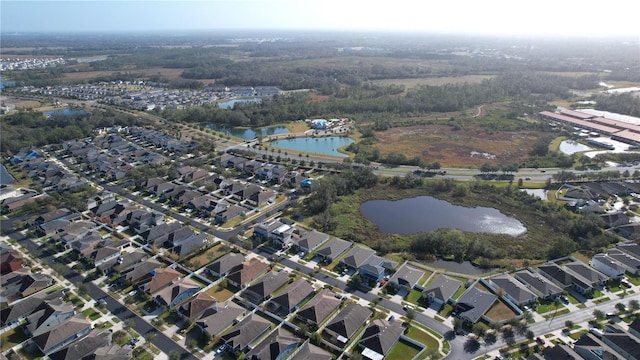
column 540, row 340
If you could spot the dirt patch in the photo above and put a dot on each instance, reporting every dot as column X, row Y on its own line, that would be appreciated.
column 319, row 98
column 468, row 146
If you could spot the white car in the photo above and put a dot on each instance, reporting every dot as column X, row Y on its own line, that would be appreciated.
column 133, row 292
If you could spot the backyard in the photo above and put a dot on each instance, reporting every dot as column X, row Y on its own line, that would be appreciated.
column 402, row 350
column 500, row 312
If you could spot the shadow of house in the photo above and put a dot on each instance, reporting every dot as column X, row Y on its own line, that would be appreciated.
column 243, row 334
column 441, row 291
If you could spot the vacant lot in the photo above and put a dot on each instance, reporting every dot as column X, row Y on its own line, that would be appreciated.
column 466, row 146
column 85, row 73
column 435, row 81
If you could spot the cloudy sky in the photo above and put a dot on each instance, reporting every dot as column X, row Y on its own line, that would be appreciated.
column 503, row 17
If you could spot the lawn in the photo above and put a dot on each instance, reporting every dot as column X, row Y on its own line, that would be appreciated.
column 500, row 312
column 220, row 293
column 556, row 313
column 207, row 256
column 141, row 354
column 546, row 307
column 12, row 338
column 422, row 337
column 402, row 350
column 414, row 297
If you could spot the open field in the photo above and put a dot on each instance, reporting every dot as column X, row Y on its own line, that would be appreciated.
column 445, row 144
column 170, row 74
column 434, row 81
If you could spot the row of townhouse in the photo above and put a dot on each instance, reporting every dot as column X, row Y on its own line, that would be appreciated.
column 274, row 173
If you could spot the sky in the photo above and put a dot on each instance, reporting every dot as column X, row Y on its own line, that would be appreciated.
column 558, row 18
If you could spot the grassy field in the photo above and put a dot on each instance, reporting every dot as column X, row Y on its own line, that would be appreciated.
column 434, row 81
column 402, row 350
column 500, row 312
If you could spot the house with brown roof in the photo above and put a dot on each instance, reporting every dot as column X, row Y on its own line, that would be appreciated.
column 319, row 308
column 160, row 278
column 10, row 261
column 348, row 321
column 241, row 275
column 309, row 351
column 63, row 334
column 294, row 294
column 278, row 345
column 197, row 306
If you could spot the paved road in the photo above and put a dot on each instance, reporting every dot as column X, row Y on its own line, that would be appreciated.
column 161, row 341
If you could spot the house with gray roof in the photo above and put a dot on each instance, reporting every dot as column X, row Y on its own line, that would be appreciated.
column 592, row 275
column 631, row 248
column 308, row 241
column 49, row 316
column 84, row 347
column 356, row 257
column 309, row 351
column 566, row 278
column 538, row 284
column 278, row 345
column 511, row 289
column 292, row 295
column 224, row 264
column 474, row 303
column 20, row 310
column 441, row 290
column 63, row 334
column 319, row 308
column 246, row 332
column 332, row 249
column 142, row 270
column 367, row 263
column 406, row 277
column 631, row 264
column 221, row 317
column 348, row 321
column 608, row 266
column 265, row 287
column 379, row 337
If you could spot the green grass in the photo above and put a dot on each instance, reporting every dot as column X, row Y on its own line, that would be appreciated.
column 414, row 296
column 422, row 337
column 402, row 350
column 12, row 338
column 555, row 314
column 601, row 300
column 546, row 307
column 91, row 314
column 141, row 354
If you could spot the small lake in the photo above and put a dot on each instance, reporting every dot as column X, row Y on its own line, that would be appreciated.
column 229, row 104
column 541, row 193
column 570, row 147
column 5, row 177
column 65, row 112
column 248, row 133
column 426, row 213
column 323, row 145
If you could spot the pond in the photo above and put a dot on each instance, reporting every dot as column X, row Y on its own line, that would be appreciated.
column 464, row 267
column 324, row 145
column 229, row 104
column 65, row 112
column 541, row 193
column 426, row 213
column 248, row 133
column 570, row 147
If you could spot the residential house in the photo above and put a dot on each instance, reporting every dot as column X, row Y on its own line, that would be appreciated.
column 84, row 348
column 364, row 260
column 281, row 236
column 566, row 279
column 608, row 266
column 229, row 213
column 508, row 287
column 63, row 334
column 265, row 287
column 20, row 310
column 589, row 346
column 622, row 341
column 309, row 351
column 345, row 324
column 160, row 234
column 10, row 261
column 105, row 254
column 159, row 279
column 125, row 262
column 177, row 292
column 379, row 337
column 319, row 308
column 596, row 278
column 223, row 316
column 474, row 304
column 630, row 248
column 24, row 286
column 538, row 284
column 241, row 275
column 615, row 219
column 307, row 241
column 224, row 264
column 406, row 277
column 266, row 228
column 332, row 249
column 441, row 291
column 262, row 197
column 629, row 263
column 246, row 332
column 47, row 317
column 294, row 294
column 356, row 257
column 278, row 345
column 198, row 306
column 140, row 271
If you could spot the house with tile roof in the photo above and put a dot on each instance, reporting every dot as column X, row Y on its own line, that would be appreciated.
column 278, row 345
column 177, row 292
column 309, row 351
column 160, row 278
column 225, row 263
column 197, row 306
column 332, row 249
column 241, row 275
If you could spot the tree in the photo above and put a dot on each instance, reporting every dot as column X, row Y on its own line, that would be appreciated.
column 599, row 314
column 457, row 323
column 568, row 324
column 510, row 340
column 82, row 289
column 129, row 323
column 621, row 307
column 150, row 336
column 174, row 355
column 479, row 329
column 411, row 314
column 530, row 335
column 634, row 305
